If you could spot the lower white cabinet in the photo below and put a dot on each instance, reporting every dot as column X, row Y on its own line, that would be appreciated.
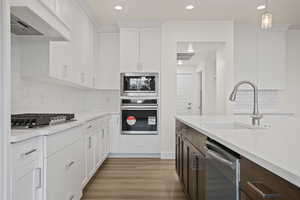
column 65, row 173
column 27, row 180
column 58, row 166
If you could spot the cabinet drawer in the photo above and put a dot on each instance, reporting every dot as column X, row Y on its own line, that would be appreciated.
column 60, row 140
column 259, row 183
column 26, row 152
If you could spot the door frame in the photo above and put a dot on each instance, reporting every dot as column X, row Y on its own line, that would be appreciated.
column 4, row 99
column 201, row 74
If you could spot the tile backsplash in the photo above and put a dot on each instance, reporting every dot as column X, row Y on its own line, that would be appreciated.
column 268, row 101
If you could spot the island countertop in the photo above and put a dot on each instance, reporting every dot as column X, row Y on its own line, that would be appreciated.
column 276, row 148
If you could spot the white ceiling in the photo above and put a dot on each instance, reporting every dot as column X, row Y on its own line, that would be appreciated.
column 241, row 11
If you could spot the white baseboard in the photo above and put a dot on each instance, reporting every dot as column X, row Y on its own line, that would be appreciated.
column 134, row 155
column 167, row 155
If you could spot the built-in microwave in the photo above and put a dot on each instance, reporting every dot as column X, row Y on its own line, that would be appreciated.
column 139, row 84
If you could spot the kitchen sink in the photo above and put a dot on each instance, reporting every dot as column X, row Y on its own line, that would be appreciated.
column 232, row 126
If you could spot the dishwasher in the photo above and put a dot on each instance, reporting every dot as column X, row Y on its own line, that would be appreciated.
column 223, row 172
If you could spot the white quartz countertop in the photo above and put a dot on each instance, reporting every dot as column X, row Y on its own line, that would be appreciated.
column 18, row 135
column 276, row 148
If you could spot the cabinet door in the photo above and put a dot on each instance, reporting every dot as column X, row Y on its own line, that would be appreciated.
column 186, row 165
column 245, row 60
column 56, row 176
column 271, row 51
column 178, row 155
column 108, row 68
column 27, row 182
column 114, row 133
column 150, row 49
column 196, row 174
column 129, row 50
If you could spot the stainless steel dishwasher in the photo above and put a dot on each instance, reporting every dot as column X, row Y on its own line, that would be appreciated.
column 223, row 172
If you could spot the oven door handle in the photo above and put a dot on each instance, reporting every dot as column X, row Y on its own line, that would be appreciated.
column 139, row 107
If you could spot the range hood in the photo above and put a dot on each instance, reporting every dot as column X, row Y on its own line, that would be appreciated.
column 33, row 18
column 19, row 27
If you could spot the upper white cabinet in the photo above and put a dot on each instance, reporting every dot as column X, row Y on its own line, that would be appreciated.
column 68, row 62
column 271, row 59
column 260, row 56
column 49, row 17
column 140, row 49
column 108, row 61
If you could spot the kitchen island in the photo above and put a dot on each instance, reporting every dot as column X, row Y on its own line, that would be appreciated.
column 270, row 165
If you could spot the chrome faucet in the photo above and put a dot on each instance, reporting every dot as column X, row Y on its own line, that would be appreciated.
column 256, row 116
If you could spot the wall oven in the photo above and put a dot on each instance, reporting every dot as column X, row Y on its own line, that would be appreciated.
column 139, row 84
column 139, row 116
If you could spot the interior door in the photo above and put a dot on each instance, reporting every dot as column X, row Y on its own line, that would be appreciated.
column 184, row 93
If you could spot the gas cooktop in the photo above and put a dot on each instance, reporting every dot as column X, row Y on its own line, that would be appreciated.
column 33, row 120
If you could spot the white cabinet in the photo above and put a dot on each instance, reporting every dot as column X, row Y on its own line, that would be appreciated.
column 64, row 164
column 140, row 49
column 96, row 145
column 71, row 63
column 27, row 180
column 271, row 60
column 108, row 61
column 260, row 56
column 114, row 134
column 150, row 49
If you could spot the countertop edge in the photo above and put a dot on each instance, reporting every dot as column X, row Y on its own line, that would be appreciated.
column 288, row 176
column 47, row 130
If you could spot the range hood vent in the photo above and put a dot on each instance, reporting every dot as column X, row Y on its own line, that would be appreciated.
column 19, row 27
column 185, row 56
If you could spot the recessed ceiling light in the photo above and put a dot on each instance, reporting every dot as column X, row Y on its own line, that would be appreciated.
column 189, row 7
column 261, row 7
column 118, row 7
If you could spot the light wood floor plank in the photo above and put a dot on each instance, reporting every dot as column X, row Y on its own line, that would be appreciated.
column 135, row 179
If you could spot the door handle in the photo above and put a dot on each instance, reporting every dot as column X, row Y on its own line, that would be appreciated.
column 29, row 152
column 90, row 142
column 262, row 190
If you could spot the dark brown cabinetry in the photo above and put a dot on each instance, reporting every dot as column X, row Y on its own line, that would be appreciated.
column 256, row 183
column 190, row 160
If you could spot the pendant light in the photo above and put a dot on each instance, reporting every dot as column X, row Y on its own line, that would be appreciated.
column 266, row 18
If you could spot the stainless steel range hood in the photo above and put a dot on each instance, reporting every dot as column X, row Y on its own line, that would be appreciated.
column 19, row 27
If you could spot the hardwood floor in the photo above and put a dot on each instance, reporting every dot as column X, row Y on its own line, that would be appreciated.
column 135, row 179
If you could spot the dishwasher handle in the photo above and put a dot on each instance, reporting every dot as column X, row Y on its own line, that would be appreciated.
column 220, row 158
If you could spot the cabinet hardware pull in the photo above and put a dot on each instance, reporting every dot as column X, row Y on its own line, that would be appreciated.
column 71, row 197
column 90, row 126
column 39, row 179
column 264, row 191
column 70, row 164
column 30, row 152
column 90, row 142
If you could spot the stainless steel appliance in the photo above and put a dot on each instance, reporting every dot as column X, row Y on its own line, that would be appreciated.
column 223, row 172
column 139, row 84
column 139, row 116
column 33, row 120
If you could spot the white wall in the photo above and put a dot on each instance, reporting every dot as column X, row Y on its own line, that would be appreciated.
column 29, row 95
column 173, row 32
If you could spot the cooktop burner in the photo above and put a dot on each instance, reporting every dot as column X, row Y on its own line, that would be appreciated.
column 33, row 120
